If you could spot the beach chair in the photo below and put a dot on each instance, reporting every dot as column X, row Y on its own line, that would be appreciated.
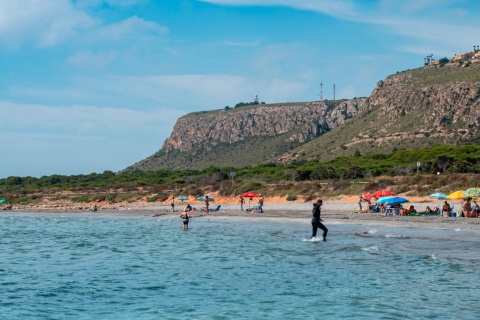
column 216, row 209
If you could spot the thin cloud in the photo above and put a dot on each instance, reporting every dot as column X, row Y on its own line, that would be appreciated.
column 445, row 25
column 87, row 59
column 330, row 7
column 130, row 27
column 79, row 119
column 49, row 22
column 44, row 22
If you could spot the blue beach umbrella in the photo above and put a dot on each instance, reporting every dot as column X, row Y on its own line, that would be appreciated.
column 202, row 198
column 438, row 195
column 396, row 200
column 384, row 199
column 181, row 198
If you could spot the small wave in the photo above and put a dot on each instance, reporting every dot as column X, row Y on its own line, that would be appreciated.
column 314, row 239
column 371, row 231
column 458, row 229
column 398, row 236
column 432, row 256
column 370, row 248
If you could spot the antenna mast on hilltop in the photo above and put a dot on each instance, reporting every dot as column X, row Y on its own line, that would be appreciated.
column 334, row 92
column 321, row 91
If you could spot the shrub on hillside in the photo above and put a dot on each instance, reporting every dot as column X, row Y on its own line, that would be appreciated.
column 291, row 197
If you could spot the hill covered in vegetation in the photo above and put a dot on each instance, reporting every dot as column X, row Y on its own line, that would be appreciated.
column 458, row 167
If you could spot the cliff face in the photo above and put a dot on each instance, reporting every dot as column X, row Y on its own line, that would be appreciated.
column 298, row 123
column 442, row 103
column 411, row 109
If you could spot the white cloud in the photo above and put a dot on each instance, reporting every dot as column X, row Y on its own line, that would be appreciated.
column 78, row 120
column 209, row 91
column 112, row 3
column 332, row 7
column 73, row 139
column 87, row 59
column 48, row 22
column 441, row 24
column 45, row 22
column 130, row 27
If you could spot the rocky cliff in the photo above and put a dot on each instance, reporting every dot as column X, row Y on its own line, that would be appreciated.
column 411, row 109
column 248, row 135
column 298, row 122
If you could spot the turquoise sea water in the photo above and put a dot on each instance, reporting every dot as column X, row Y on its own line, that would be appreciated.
column 107, row 267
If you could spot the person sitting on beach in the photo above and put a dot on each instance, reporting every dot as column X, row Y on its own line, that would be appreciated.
column 408, row 210
column 475, row 209
column 188, row 208
column 94, row 208
column 446, row 209
column 360, row 200
column 466, row 208
column 428, row 209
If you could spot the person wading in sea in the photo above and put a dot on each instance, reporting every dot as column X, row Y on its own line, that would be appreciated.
column 317, row 221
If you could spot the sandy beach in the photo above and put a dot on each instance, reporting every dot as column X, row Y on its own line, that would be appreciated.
column 333, row 212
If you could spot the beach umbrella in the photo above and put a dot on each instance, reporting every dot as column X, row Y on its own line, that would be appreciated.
column 382, row 193
column 456, row 195
column 202, row 198
column 181, row 198
column 471, row 193
column 395, row 200
column 438, row 195
column 249, row 194
column 384, row 199
column 367, row 196
column 2, row 201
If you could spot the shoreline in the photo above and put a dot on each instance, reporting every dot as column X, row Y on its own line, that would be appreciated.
column 331, row 213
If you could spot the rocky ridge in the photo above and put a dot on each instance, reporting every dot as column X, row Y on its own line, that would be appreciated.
column 411, row 109
column 299, row 122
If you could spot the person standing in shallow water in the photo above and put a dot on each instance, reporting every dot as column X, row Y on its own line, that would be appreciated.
column 317, row 221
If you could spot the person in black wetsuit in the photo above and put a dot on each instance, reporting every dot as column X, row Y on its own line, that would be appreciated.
column 317, row 221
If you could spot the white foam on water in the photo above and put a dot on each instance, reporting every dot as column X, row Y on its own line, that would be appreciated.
column 394, row 236
column 458, row 229
column 370, row 248
column 314, row 239
column 372, row 231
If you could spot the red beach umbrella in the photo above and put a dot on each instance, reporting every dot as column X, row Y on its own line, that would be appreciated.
column 367, row 196
column 249, row 194
column 382, row 193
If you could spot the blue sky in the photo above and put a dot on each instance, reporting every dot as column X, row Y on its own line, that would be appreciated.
column 92, row 85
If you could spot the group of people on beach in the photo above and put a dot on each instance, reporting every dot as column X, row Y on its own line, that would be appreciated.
column 468, row 209
column 259, row 208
